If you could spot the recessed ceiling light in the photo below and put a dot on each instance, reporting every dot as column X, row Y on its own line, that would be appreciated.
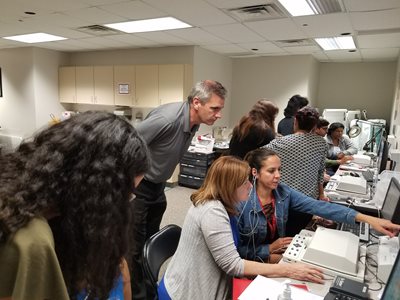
column 299, row 7
column 336, row 43
column 35, row 38
column 157, row 24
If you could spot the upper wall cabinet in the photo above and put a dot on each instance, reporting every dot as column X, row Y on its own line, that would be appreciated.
column 124, row 85
column 127, row 85
column 66, row 83
column 175, row 82
column 95, row 85
column 170, row 86
column 147, row 85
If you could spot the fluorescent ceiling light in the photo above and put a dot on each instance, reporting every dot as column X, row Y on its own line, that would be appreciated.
column 342, row 42
column 35, row 38
column 166, row 23
column 299, row 7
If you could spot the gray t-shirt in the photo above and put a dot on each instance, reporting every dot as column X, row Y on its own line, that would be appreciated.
column 167, row 132
column 206, row 257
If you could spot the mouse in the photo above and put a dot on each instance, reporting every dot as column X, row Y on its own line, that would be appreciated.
column 354, row 174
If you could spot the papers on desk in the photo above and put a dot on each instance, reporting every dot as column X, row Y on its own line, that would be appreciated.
column 263, row 288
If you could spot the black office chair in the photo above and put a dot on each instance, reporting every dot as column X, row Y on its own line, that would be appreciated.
column 157, row 249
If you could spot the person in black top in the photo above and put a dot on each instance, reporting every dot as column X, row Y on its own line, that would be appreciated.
column 296, row 102
column 255, row 129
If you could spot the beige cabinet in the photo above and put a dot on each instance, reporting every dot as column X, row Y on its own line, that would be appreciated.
column 170, row 85
column 124, row 85
column 95, row 85
column 175, row 82
column 66, row 84
column 103, row 78
column 146, row 85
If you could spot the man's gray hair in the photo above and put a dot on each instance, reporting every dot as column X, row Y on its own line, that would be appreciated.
column 205, row 88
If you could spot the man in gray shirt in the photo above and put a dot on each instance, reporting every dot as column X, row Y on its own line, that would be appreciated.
column 168, row 131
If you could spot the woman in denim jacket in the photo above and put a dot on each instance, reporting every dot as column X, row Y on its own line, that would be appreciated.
column 262, row 219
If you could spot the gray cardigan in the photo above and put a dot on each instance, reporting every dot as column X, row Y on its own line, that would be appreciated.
column 206, row 258
column 345, row 144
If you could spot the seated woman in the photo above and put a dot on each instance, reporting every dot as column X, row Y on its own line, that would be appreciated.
column 206, row 258
column 340, row 148
column 64, row 209
column 262, row 219
column 255, row 129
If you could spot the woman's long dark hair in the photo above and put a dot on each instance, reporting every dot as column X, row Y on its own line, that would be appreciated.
column 83, row 170
column 260, row 118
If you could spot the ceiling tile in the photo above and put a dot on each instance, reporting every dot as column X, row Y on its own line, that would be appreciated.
column 235, row 33
column 388, row 40
column 275, row 30
column 265, row 47
column 302, row 49
column 343, row 55
column 376, row 19
column 133, row 10
column 329, row 25
column 228, row 48
column 370, row 5
column 163, row 37
column 134, row 40
column 193, row 12
column 94, row 15
column 380, row 54
column 197, row 36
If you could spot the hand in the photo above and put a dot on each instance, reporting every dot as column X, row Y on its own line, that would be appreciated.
column 384, row 226
column 300, row 271
column 324, row 198
column 345, row 159
column 280, row 245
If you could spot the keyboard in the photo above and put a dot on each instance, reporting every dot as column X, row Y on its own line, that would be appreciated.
column 359, row 229
column 368, row 175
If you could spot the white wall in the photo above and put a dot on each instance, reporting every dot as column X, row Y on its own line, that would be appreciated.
column 367, row 86
column 274, row 78
column 395, row 116
column 45, row 81
column 208, row 65
column 30, row 89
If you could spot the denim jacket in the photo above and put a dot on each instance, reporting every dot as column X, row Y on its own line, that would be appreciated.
column 252, row 222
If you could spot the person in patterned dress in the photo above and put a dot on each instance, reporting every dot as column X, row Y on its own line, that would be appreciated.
column 303, row 163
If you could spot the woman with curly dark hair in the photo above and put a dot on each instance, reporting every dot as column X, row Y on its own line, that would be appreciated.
column 255, row 129
column 64, row 208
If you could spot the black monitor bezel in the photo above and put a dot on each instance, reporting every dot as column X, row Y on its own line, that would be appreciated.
column 393, row 181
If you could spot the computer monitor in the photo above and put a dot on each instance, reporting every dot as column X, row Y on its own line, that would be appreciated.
column 383, row 155
column 392, row 288
column 391, row 205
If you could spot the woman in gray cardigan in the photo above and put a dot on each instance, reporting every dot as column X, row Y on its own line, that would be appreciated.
column 207, row 258
column 340, row 147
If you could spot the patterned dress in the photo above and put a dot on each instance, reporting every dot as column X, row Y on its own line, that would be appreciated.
column 302, row 168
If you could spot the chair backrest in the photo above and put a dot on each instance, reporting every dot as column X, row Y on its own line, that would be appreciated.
column 158, row 248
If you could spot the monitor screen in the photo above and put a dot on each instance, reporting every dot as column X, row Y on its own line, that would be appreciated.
column 383, row 155
column 393, row 284
column 391, row 205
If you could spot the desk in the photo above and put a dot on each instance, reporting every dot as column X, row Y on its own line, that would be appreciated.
column 375, row 288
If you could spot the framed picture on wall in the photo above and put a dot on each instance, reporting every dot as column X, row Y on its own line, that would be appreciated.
column 1, row 86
